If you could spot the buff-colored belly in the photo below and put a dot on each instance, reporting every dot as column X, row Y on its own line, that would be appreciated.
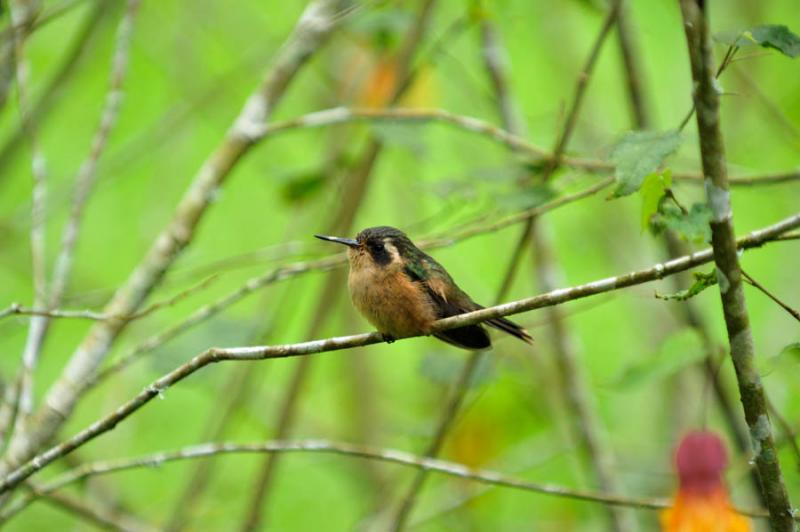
column 391, row 302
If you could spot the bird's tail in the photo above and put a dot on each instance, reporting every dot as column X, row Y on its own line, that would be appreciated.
column 508, row 326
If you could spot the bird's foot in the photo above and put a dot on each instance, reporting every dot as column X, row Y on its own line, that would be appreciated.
column 389, row 339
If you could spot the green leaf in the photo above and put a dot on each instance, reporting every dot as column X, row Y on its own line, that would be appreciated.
column 701, row 282
column 639, row 154
column 775, row 36
column 445, row 369
column 678, row 351
column 692, row 226
column 653, row 188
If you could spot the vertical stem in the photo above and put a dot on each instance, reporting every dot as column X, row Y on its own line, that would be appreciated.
column 729, row 275
column 83, row 186
column 689, row 313
column 451, row 408
column 22, row 14
column 630, row 59
column 315, row 25
column 352, row 196
column 448, row 416
column 76, row 50
column 554, row 162
column 575, row 391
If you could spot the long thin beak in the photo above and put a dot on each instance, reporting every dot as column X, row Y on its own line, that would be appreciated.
column 339, row 240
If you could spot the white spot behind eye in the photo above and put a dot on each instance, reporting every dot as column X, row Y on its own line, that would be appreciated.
column 392, row 249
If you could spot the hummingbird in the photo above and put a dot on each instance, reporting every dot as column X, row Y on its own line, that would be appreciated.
column 401, row 290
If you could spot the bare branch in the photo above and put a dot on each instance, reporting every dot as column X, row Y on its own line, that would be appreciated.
column 575, row 393
column 325, row 264
column 339, row 448
column 84, row 181
column 22, row 13
column 356, row 185
column 314, row 26
column 712, row 152
column 792, row 312
column 17, row 309
column 211, row 356
column 76, row 50
column 92, row 513
column 342, row 115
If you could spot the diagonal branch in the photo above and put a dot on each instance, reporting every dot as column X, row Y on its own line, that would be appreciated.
column 316, row 23
column 688, row 312
column 93, row 513
column 211, row 356
column 356, row 186
column 729, row 274
column 792, row 312
column 557, row 159
column 574, row 390
column 343, row 115
column 321, row 265
column 40, row 324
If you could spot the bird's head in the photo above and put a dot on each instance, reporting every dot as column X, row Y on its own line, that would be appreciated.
column 376, row 247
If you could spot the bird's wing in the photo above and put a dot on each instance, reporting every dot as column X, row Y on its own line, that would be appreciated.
column 451, row 300
column 439, row 287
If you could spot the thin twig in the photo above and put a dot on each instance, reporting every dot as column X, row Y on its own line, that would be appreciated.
column 393, row 456
column 762, row 288
column 574, row 391
column 311, row 32
column 19, row 310
column 214, row 355
column 325, row 264
column 790, row 236
column 86, row 177
column 354, row 193
column 93, row 513
column 556, row 160
column 632, row 70
column 22, row 13
column 74, row 52
column 712, row 152
column 342, row 115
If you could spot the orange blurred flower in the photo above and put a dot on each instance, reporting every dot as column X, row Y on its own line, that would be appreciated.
column 702, row 503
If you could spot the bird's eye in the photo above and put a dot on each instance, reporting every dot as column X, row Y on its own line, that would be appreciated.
column 378, row 246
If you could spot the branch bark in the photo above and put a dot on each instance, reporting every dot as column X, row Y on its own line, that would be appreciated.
column 211, row 356
column 340, row 448
column 314, row 26
column 292, row 270
column 729, row 274
column 40, row 323
column 352, row 197
column 587, row 428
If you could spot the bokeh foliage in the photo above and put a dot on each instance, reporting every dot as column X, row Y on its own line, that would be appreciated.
column 192, row 65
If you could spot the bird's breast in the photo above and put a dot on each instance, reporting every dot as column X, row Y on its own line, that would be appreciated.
column 393, row 303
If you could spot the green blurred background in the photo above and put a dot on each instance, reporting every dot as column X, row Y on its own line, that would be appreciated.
column 192, row 64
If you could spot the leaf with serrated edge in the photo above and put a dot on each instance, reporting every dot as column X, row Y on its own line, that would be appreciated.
column 775, row 36
column 639, row 154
